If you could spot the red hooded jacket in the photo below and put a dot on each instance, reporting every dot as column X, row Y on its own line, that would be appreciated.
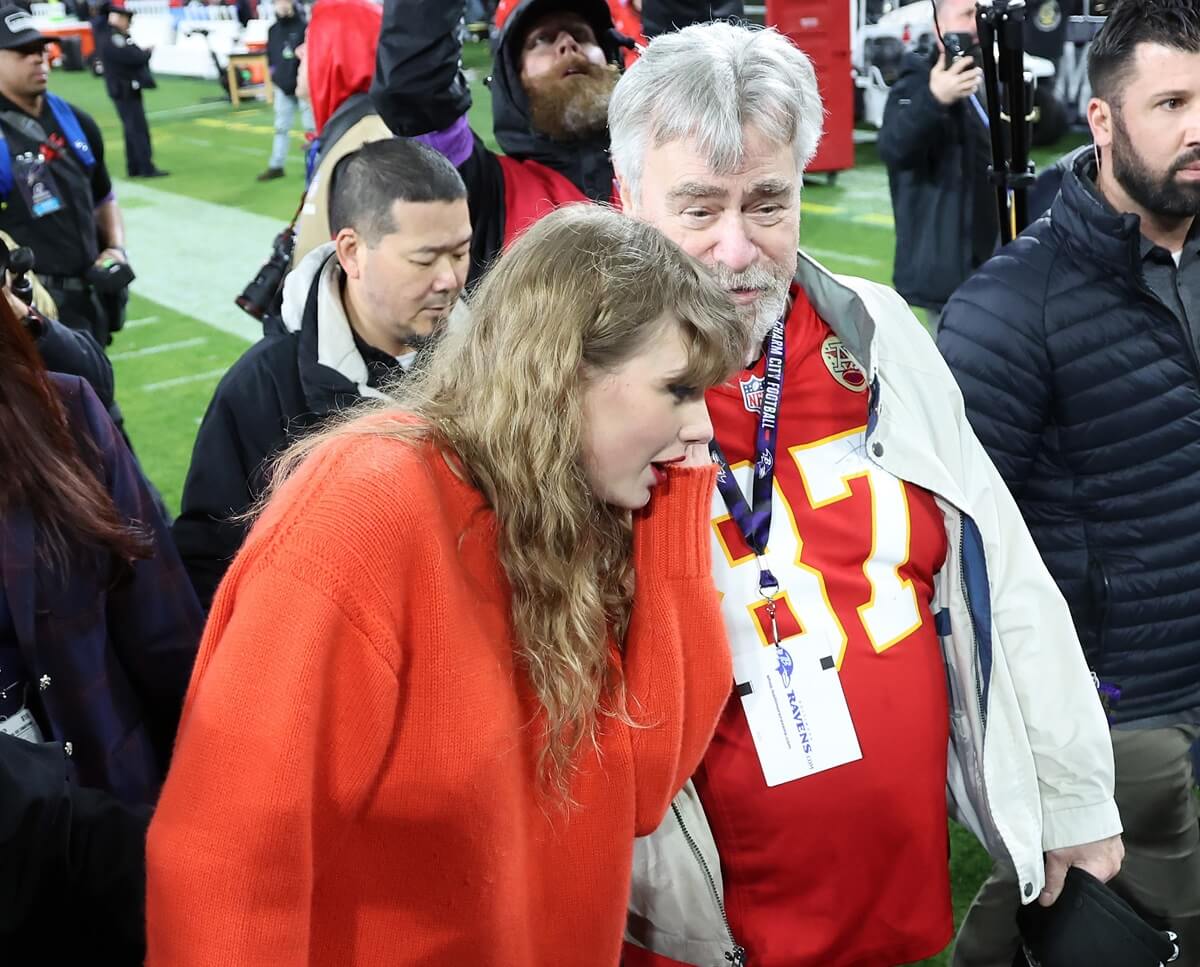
column 340, row 53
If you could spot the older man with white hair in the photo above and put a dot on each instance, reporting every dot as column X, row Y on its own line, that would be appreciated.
column 898, row 644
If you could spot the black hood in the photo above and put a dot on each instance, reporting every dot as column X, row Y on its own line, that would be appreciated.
column 585, row 163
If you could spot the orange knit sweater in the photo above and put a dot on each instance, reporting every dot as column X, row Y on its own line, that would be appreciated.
column 354, row 779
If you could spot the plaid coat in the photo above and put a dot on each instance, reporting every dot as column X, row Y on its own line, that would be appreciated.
column 109, row 648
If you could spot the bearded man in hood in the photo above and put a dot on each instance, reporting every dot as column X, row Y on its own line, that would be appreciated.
column 556, row 64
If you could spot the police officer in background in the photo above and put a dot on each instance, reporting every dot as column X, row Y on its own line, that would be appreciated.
column 126, row 75
column 55, row 192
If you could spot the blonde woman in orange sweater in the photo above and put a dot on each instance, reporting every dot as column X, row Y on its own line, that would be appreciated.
column 471, row 648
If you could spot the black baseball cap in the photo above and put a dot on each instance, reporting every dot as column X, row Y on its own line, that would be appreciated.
column 17, row 29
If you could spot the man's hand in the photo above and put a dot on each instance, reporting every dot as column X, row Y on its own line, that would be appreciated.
column 1102, row 859
column 113, row 254
column 951, row 84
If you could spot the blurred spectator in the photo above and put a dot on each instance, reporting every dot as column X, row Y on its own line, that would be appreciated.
column 57, row 194
column 126, row 75
column 356, row 312
column 73, row 858
column 336, row 63
column 554, row 70
column 935, row 143
column 98, row 622
column 283, row 39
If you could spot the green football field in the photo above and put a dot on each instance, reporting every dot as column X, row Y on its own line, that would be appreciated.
column 197, row 237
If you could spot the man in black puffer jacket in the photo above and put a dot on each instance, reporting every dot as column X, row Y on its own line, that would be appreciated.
column 1076, row 351
column 934, row 140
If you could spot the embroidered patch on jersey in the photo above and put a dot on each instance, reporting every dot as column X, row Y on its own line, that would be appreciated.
column 752, row 394
column 841, row 365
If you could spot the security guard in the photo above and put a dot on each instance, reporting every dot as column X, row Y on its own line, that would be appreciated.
column 126, row 75
column 55, row 192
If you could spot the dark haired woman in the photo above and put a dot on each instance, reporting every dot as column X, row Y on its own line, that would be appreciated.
column 98, row 622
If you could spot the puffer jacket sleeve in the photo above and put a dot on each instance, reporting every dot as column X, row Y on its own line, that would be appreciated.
column 419, row 86
column 992, row 338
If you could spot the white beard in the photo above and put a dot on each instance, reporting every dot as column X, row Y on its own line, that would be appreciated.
column 766, row 311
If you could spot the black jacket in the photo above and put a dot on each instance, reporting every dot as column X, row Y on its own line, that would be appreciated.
column 1085, row 390
column 661, row 16
column 270, row 396
column 285, row 35
column 126, row 65
column 76, row 353
column 73, row 862
column 419, row 89
column 945, row 211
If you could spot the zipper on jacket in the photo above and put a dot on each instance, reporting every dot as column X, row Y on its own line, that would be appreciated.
column 962, row 579
column 737, row 956
column 1180, row 323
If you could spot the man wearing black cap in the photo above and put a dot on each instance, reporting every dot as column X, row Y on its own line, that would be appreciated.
column 555, row 67
column 56, row 192
column 126, row 75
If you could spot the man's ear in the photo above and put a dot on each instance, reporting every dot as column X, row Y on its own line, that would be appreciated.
column 349, row 248
column 628, row 204
column 1100, row 116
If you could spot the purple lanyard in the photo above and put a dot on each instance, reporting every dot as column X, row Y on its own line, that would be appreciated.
column 755, row 522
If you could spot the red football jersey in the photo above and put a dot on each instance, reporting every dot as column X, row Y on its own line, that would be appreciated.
column 848, row 867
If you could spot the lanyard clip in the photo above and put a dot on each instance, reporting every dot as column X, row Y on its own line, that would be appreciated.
column 766, row 581
column 769, row 587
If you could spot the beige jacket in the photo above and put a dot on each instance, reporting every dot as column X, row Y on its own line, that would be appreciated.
column 312, row 228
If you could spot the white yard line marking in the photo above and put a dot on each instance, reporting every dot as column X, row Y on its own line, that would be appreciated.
column 187, row 110
column 182, row 381
column 201, row 263
column 165, row 347
column 828, row 253
column 138, row 323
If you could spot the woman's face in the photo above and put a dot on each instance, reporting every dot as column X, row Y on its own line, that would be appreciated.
column 638, row 418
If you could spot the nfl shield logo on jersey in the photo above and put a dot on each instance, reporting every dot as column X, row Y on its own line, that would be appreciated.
column 752, row 394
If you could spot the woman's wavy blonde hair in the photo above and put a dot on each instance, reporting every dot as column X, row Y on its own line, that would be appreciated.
column 581, row 292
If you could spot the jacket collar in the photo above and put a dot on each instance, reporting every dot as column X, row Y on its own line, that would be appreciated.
column 332, row 370
column 840, row 305
column 1084, row 217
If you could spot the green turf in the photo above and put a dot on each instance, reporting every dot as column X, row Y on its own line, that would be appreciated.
column 213, row 154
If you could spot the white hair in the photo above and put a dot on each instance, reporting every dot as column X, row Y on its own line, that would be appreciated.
column 709, row 82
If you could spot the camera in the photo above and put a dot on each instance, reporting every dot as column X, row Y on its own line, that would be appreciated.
column 18, row 263
column 109, row 277
column 259, row 296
